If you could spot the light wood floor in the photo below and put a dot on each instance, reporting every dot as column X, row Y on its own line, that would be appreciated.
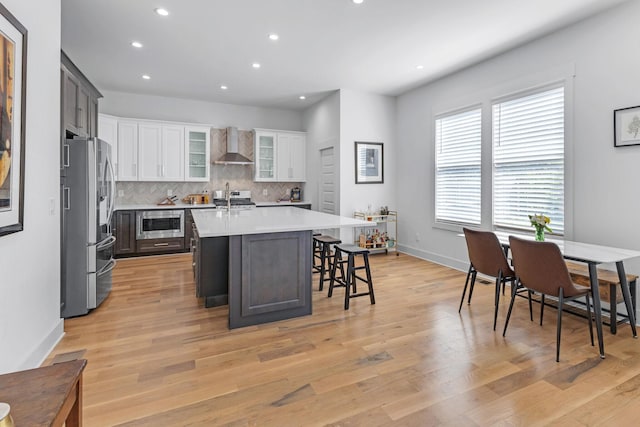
column 157, row 357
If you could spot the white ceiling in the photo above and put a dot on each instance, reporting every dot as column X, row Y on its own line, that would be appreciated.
column 324, row 45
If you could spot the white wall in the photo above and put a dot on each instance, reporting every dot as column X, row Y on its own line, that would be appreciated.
column 30, row 321
column 322, row 123
column 186, row 110
column 369, row 118
column 603, row 194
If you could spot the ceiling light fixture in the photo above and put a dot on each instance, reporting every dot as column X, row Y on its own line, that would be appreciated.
column 223, row 87
column 255, row 65
column 146, row 76
column 162, row 12
column 358, row 1
column 302, row 97
column 136, row 44
column 274, row 37
column 419, row 67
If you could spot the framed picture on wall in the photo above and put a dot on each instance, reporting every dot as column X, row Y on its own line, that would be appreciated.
column 13, row 66
column 626, row 126
column 369, row 163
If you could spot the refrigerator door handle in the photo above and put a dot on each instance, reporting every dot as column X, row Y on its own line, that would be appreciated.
column 66, row 193
column 106, row 243
column 107, row 268
column 112, row 195
column 65, row 156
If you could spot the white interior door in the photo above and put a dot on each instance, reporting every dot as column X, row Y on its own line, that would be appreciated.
column 328, row 195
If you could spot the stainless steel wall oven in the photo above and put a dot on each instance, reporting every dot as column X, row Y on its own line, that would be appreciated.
column 159, row 224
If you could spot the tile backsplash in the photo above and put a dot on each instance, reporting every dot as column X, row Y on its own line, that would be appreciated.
column 239, row 177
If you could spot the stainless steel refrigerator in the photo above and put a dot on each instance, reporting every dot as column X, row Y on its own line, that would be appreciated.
column 88, row 196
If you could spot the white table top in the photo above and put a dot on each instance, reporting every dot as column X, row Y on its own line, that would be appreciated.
column 215, row 223
column 584, row 252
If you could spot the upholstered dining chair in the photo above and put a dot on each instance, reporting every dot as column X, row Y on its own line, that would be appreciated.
column 540, row 267
column 487, row 257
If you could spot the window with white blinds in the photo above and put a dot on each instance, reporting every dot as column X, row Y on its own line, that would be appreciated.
column 528, row 160
column 458, row 142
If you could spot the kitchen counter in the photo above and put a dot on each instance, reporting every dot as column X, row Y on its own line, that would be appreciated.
column 262, row 258
column 151, row 206
column 212, row 223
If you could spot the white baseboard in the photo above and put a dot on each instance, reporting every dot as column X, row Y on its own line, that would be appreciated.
column 42, row 351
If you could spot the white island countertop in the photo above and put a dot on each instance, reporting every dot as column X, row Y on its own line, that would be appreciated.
column 216, row 223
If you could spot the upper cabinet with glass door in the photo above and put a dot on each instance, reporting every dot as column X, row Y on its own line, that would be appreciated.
column 198, row 149
column 265, row 156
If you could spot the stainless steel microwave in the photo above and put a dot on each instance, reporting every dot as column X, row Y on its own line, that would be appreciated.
column 159, row 224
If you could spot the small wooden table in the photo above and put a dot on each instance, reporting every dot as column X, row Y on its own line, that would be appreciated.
column 47, row 396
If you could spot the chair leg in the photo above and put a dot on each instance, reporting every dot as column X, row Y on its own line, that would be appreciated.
column 559, row 327
column 473, row 282
column 530, row 306
column 337, row 256
column 350, row 276
column 464, row 291
column 496, row 299
column 372, row 297
column 323, row 260
column 541, row 308
column 590, row 320
column 506, row 322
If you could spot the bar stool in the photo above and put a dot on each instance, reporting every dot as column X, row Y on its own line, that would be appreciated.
column 317, row 254
column 324, row 242
column 348, row 280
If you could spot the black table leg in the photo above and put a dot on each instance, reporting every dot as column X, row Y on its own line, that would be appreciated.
column 597, row 308
column 627, row 297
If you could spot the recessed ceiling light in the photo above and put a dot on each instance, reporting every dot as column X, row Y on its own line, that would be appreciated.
column 357, row 1
column 273, row 37
column 419, row 67
column 223, row 87
column 255, row 65
column 136, row 44
column 146, row 76
column 302, row 97
column 162, row 12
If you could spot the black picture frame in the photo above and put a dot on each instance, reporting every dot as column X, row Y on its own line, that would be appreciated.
column 626, row 127
column 13, row 96
column 369, row 162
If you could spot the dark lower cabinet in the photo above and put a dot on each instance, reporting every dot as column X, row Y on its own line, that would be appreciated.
column 147, row 246
column 211, row 269
column 124, row 228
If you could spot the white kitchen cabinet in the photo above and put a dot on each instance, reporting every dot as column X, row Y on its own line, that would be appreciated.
column 108, row 131
column 280, row 156
column 197, row 153
column 172, row 153
column 127, row 150
column 160, row 152
column 291, row 157
column 265, row 155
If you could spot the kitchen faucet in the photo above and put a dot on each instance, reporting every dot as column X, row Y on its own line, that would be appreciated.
column 227, row 195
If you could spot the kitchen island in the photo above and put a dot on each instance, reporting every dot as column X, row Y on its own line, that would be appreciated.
column 268, row 259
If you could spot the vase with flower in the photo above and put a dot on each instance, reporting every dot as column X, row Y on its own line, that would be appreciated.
column 541, row 224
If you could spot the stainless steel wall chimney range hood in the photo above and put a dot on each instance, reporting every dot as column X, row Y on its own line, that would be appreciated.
column 232, row 157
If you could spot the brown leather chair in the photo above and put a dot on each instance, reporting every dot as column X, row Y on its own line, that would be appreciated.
column 540, row 267
column 487, row 257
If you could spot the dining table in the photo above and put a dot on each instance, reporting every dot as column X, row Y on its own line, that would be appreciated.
column 592, row 255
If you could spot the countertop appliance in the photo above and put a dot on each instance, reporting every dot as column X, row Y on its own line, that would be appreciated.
column 159, row 224
column 238, row 199
column 88, row 198
column 296, row 194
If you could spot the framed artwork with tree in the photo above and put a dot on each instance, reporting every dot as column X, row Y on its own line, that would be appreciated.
column 626, row 127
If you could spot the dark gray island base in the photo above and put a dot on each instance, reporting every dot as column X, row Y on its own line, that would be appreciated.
column 269, row 277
